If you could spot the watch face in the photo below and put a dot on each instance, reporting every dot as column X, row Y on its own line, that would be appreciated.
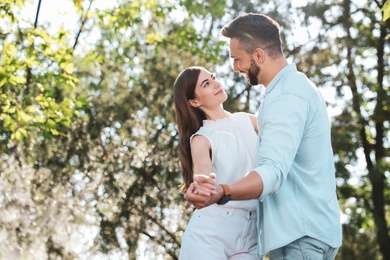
column 225, row 199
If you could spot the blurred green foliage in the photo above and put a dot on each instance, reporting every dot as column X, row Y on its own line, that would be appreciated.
column 88, row 145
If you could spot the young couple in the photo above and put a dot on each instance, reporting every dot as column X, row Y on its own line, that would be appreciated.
column 258, row 185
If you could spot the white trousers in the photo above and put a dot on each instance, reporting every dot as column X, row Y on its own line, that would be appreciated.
column 219, row 233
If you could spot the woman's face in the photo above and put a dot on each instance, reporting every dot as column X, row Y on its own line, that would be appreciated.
column 208, row 91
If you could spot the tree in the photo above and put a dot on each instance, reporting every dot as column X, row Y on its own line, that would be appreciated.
column 38, row 104
column 89, row 141
column 371, row 113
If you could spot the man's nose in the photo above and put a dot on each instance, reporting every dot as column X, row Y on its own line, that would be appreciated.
column 235, row 67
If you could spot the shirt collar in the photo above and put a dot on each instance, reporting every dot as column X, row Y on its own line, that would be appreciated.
column 281, row 74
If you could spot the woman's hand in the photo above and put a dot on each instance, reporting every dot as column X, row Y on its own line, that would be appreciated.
column 204, row 191
column 205, row 184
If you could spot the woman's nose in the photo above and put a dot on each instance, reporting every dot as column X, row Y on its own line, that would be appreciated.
column 216, row 84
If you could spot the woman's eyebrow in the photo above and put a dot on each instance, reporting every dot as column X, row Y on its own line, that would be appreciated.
column 201, row 84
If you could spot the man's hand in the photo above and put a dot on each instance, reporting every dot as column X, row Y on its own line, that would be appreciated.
column 204, row 191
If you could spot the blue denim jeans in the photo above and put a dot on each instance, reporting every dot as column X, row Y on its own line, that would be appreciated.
column 305, row 248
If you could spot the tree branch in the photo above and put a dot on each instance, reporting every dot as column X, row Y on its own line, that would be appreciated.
column 83, row 21
column 380, row 5
column 29, row 75
column 37, row 15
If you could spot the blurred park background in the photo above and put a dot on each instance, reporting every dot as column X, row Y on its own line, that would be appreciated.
column 89, row 163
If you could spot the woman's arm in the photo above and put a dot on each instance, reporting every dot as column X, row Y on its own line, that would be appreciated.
column 201, row 155
column 202, row 165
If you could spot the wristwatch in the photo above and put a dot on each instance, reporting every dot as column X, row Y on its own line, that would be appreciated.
column 226, row 195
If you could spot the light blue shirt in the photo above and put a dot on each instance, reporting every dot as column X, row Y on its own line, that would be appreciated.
column 295, row 162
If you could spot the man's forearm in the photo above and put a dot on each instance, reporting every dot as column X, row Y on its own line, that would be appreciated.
column 249, row 187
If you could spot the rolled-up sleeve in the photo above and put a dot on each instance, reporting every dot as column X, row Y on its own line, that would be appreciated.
column 282, row 121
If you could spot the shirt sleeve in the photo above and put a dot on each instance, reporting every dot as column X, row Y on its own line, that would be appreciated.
column 283, row 122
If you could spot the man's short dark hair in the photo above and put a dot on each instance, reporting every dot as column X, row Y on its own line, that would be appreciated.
column 255, row 31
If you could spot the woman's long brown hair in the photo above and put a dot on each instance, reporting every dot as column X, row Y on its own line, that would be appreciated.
column 189, row 119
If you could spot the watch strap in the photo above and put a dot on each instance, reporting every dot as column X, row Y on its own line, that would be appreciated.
column 226, row 196
column 226, row 190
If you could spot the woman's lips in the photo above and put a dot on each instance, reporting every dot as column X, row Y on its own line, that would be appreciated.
column 219, row 92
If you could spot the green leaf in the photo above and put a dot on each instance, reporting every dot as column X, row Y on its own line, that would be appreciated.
column 55, row 132
column 386, row 11
column 50, row 123
column 9, row 122
column 20, row 134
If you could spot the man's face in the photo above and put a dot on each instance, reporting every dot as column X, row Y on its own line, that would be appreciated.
column 244, row 63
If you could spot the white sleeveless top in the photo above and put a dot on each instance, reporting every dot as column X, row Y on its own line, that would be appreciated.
column 233, row 146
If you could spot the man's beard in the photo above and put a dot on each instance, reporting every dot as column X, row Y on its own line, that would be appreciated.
column 253, row 73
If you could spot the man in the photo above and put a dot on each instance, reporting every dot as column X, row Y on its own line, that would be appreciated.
column 295, row 178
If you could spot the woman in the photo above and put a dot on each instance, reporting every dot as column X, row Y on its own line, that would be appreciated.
column 213, row 140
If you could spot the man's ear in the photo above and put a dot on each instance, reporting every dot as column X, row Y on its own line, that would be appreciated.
column 259, row 56
column 193, row 103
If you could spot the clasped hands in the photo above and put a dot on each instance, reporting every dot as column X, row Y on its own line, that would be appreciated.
column 203, row 191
